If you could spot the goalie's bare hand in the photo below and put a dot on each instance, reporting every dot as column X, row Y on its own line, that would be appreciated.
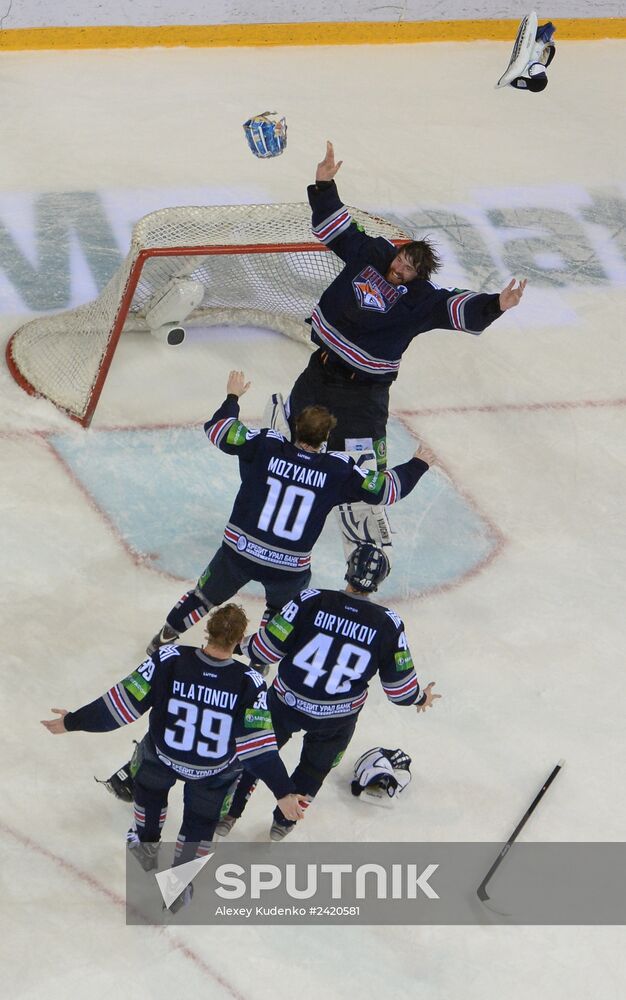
column 237, row 384
column 430, row 697
column 327, row 168
column 56, row 726
column 510, row 296
column 290, row 807
column 425, row 455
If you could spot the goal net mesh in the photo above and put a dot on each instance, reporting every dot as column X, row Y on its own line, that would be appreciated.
column 258, row 265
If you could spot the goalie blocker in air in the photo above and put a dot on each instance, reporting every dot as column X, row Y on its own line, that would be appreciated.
column 533, row 51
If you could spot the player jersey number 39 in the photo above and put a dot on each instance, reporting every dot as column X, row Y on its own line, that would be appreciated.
column 215, row 726
column 279, row 508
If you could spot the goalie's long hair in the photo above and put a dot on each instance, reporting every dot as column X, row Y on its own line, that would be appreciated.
column 423, row 256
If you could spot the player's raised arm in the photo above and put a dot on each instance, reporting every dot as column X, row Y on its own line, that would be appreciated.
column 224, row 429
column 237, row 385
column 327, row 168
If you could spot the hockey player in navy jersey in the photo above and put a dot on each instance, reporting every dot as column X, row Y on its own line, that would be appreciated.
column 287, row 491
column 330, row 645
column 208, row 715
column 367, row 317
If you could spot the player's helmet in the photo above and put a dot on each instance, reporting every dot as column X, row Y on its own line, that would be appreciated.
column 367, row 568
column 381, row 772
column 266, row 136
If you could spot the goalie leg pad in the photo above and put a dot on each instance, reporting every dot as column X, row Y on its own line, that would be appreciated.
column 360, row 522
column 275, row 415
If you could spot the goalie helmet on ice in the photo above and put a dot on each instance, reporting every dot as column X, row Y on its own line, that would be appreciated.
column 533, row 52
column 381, row 772
column 266, row 134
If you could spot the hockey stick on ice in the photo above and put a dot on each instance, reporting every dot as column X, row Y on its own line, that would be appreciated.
column 481, row 892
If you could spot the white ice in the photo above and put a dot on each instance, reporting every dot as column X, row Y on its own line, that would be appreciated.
column 528, row 420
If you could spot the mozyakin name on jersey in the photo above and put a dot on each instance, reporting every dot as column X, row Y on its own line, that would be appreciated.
column 289, row 470
column 199, row 692
column 345, row 627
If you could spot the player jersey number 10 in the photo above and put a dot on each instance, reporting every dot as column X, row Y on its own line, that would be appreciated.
column 215, row 726
column 279, row 509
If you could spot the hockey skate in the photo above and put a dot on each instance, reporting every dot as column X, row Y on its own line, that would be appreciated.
column 162, row 638
column 183, row 900
column 225, row 825
column 120, row 784
column 278, row 830
column 146, row 854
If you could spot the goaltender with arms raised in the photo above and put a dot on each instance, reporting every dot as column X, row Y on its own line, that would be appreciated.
column 365, row 320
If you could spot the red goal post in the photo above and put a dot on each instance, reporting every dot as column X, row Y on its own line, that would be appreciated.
column 245, row 265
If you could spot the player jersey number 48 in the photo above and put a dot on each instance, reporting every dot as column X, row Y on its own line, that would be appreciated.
column 350, row 664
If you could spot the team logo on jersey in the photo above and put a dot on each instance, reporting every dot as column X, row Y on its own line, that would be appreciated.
column 290, row 699
column 242, row 543
column 374, row 292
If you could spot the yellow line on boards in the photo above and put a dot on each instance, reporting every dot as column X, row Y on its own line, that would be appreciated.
column 317, row 33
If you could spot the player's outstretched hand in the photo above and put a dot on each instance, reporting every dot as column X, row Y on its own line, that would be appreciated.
column 425, row 455
column 290, row 807
column 56, row 726
column 430, row 697
column 327, row 168
column 510, row 296
column 237, row 384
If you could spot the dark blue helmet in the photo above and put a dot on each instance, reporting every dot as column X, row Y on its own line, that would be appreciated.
column 367, row 568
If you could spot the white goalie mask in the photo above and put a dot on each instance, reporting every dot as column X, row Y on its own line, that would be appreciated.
column 381, row 772
column 266, row 134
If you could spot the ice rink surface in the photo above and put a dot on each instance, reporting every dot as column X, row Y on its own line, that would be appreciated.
column 525, row 642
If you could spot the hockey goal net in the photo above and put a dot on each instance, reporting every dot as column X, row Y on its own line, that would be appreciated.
column 256, row 265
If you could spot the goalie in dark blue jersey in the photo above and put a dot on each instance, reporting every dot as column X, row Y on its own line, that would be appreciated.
column 330, row 645
column 365, row 320
column 287, row 491
column 208, row 716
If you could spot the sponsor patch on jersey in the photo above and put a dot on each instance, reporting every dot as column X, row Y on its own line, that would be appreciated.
column 136, row 685
column 373, row 482
column 404, row 660
column 256, row 718
column 237, row 433
column 279, row 627
column 374, row 292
